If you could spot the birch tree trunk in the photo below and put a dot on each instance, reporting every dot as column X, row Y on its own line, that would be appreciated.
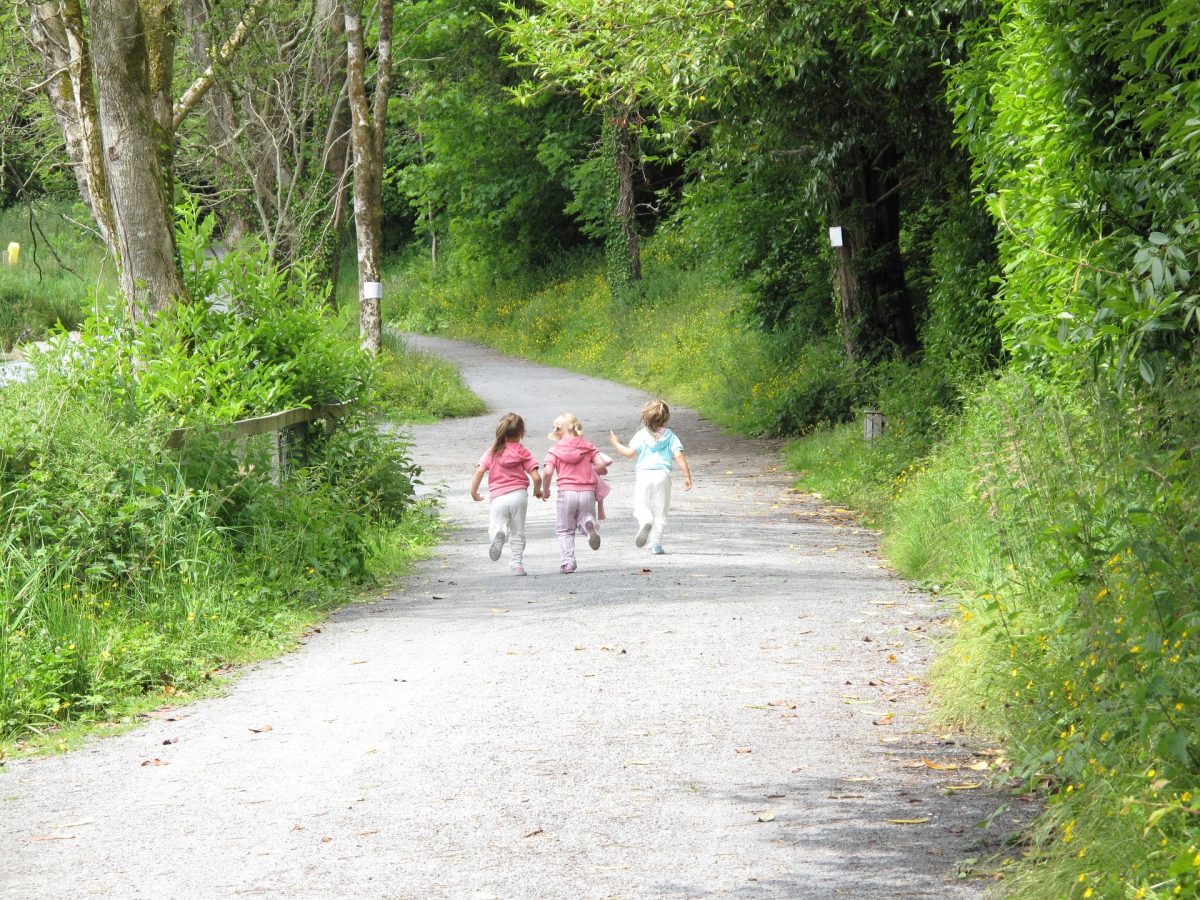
column 366, row 140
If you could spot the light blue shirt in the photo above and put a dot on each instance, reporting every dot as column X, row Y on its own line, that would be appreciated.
column 655, row 454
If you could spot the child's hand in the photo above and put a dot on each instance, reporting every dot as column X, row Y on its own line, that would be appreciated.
column 687, row 482
column 613, row 439
column 475, row 495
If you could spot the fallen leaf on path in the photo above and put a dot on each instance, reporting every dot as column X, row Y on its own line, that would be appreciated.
column 499, row 609
column 890, row 739
column 784, row 703
column 882, row 603
column 642, row 572
column 534, row 832
column 357, row 662
column 743, row 750
column 920, row 821
column 167, row 742
column 327, row 840
column 978, row 766
column 965, row 786
column 580, row 647
column 154, row 762
column 371, row 750
column 941, row 767
column 766, row 816
column 885, row 720
column 38, row 838
column 262, row 729
column 437, row 597
column 366, row 833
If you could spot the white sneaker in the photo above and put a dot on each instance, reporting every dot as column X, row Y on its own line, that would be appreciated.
column 642, row 536
column 497, row 546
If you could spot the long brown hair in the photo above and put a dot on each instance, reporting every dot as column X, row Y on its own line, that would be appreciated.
column 510, row 428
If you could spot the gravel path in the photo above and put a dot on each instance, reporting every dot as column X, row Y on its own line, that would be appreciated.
column 740, row 717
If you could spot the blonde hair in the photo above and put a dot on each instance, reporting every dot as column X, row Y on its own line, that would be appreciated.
column 566, row 425
column 510, row 428
column 655, row 414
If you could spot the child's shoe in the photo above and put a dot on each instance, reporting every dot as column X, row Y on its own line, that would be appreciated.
column 497, row 546
column 518, row 570
column 657, row 550
column 567, row 568
column 642, row 535
column 593, row 534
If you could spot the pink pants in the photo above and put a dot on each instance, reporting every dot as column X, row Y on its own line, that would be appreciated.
column 575, row 509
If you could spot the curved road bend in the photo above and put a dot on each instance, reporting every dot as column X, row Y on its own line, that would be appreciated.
column 738, row 718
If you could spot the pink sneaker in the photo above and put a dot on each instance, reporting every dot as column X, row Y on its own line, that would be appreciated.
column 567, row 568
column 518, row 570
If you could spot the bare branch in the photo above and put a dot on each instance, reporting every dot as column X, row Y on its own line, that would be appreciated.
column 193, row 95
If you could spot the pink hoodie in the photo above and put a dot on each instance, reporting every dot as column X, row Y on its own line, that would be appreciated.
column 574, row 459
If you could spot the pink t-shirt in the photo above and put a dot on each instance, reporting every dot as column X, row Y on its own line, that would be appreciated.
column 510, row 470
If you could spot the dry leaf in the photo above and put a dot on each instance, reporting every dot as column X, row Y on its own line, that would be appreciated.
column 784, row 703
column 169, row 741
column 154, row 762
column 920, row 821
column 366, row 833
column 965, row 786
column 978, row 766
column 744, row 750
column 885, row 720
column 499, row 609
column 169, row 689
column 262, row 729
column 326, row 840
column 357, row 662
column 766, row 816
column 580, row 647
column 532, row 833
column 941, row 767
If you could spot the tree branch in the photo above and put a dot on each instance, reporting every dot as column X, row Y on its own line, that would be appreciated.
column 198, row 88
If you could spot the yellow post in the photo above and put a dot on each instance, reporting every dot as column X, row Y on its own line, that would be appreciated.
column 14, row 253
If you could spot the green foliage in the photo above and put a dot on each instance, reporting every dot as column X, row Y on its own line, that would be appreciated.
column 130, row 568
column 1080, row 119
column 1066, row 520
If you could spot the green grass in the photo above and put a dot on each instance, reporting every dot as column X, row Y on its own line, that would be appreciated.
column 61, row 265
column 415, row 387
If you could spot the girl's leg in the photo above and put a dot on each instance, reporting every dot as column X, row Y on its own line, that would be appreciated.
column 659, row 499
column 641, row 507
column 516, row 530
column 587, row 518
column 497, row 526
column 567, row 520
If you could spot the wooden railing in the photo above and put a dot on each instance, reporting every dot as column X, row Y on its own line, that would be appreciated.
column 290, row 429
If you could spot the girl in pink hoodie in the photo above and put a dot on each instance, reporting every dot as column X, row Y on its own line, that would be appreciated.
column 577, row 463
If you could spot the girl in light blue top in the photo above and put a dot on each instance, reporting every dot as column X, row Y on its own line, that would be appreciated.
column 657, row 450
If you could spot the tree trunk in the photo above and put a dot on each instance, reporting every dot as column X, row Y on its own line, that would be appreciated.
column 366, row 139
column 875, row 309
column 144, row 237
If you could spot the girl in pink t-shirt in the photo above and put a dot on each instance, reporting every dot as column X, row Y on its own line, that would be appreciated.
column 577, row 463
column 508, row 466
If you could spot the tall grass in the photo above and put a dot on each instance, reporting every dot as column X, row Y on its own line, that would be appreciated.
column 1067, row 522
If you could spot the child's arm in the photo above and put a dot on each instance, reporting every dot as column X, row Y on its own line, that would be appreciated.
column 476, row 482
column 536, row 475
column 687, row 473
column 547, row 476
column 627, row 452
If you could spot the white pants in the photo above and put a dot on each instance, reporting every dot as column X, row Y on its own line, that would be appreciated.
column 652, row 501
column 508, row 515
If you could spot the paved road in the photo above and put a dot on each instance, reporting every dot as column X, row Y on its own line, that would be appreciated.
column 740, row 717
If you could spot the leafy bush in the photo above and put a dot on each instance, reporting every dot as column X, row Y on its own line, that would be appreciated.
column 128, row 567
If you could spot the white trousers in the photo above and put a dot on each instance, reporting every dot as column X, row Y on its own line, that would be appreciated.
column 508, row 515
column 652, row 501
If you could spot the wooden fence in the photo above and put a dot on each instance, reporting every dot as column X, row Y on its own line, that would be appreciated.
column 290, row 430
